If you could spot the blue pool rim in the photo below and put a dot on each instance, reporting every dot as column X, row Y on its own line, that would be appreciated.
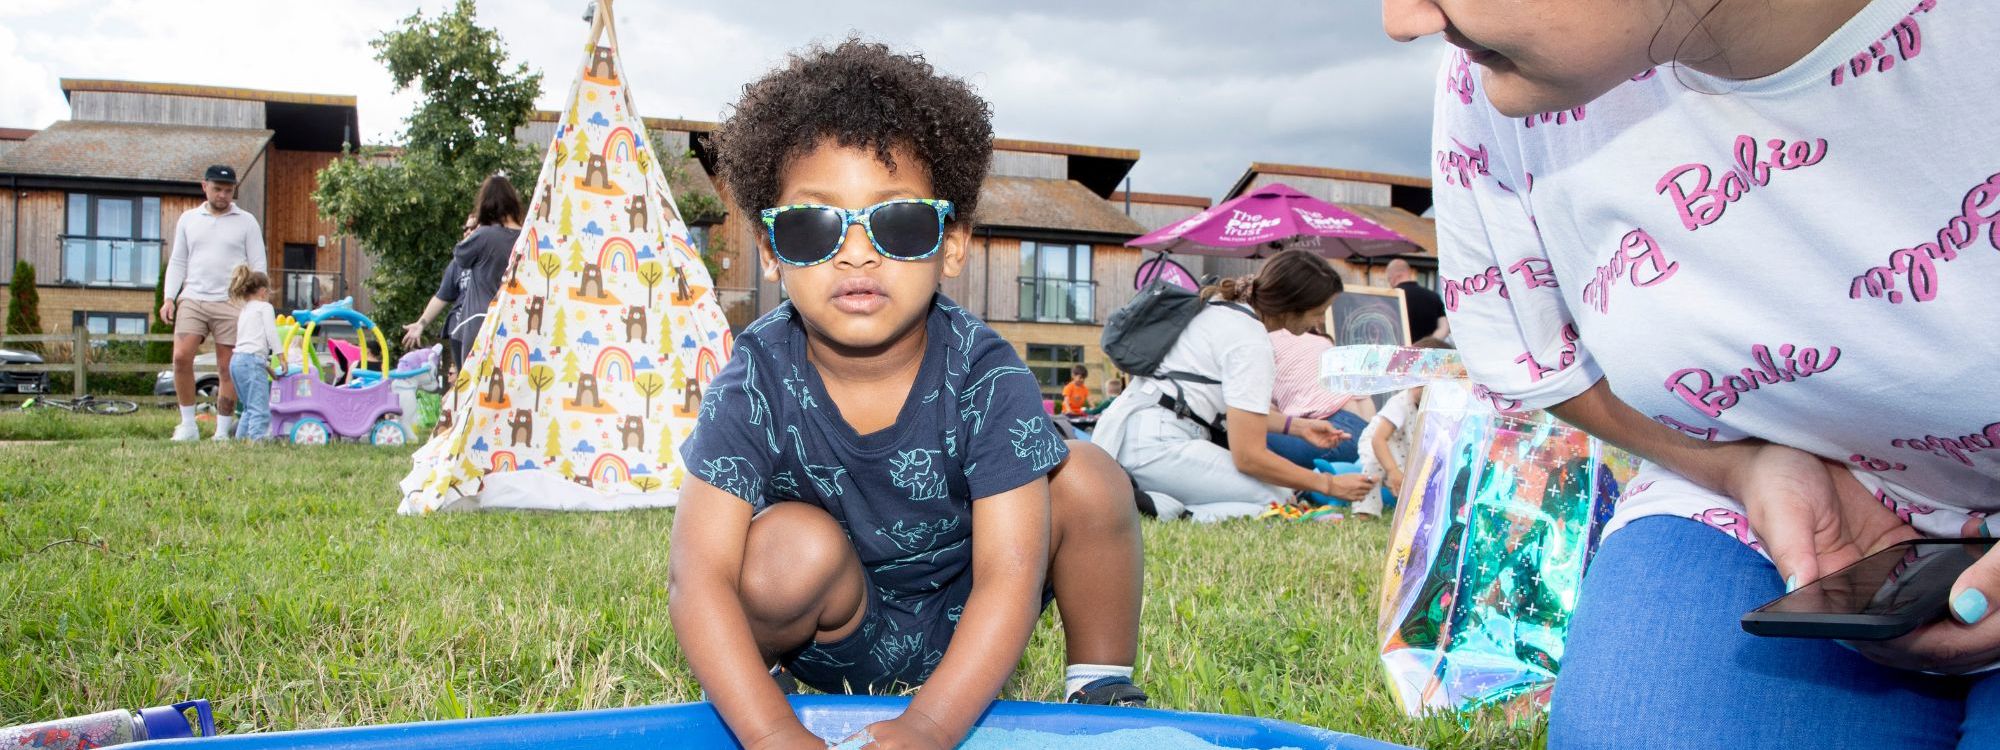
column 697, row 725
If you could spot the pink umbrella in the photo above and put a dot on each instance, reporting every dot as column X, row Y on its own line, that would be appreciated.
column 1277, row 217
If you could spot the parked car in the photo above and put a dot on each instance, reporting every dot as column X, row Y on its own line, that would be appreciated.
column 16, row 380
column 206, row 380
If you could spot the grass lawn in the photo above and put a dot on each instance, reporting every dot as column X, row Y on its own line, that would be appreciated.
column 279, row 583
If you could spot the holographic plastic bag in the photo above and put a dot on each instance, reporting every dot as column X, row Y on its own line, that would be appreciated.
column 1499, row 514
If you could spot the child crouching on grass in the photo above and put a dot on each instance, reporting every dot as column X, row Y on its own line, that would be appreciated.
column 876, row 497
column 256, row 341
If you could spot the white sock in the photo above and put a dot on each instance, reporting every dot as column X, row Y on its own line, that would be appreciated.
column 222, row 425
column 187, row 415
column 1075, row 676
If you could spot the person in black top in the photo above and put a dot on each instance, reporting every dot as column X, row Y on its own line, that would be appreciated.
column 472, row 279
column 1426, row 307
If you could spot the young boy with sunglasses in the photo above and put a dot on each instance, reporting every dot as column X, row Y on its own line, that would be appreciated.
column 876, row 497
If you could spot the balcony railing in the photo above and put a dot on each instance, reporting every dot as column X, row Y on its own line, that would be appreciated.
column 1058, row 300
column 304, row 289
column 110, row 261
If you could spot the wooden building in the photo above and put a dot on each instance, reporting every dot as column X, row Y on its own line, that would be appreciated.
column 92, row 201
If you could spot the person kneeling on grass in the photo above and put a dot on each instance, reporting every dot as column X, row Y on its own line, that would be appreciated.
column 876, row 498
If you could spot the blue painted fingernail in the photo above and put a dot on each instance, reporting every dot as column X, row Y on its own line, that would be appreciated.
column 1791, row 583
column 1969, row 605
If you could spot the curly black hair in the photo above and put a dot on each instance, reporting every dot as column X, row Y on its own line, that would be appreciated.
column 861, row 95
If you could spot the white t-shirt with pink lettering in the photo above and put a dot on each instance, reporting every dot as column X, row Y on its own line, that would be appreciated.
column 1811, row 258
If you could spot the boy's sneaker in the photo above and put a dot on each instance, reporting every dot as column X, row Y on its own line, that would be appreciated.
column 1109, row 691
column 186, row 432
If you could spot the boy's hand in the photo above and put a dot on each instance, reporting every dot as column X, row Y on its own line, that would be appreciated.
column 906, row 732
column 1395, row 481
column 795, row 738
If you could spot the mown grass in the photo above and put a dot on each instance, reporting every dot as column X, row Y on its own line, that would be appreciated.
column 279, row 583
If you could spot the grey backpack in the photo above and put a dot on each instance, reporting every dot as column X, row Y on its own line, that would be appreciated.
column 1139, row 335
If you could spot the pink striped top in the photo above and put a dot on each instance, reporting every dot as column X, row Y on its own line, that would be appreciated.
column 1297, row 391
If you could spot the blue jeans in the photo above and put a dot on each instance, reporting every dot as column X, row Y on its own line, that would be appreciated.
column 253, row 397
column 1656, row 658
column 1299, row 451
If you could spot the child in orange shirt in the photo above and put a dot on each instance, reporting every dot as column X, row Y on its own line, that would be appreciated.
column 1076, row 395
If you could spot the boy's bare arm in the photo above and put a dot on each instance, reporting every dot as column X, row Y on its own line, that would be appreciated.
column 1010, row 555
column 705, row 564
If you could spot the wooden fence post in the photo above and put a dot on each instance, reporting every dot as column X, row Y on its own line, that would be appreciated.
column 80, row 357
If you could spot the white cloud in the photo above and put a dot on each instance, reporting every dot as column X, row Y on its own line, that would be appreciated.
column 1200, row 90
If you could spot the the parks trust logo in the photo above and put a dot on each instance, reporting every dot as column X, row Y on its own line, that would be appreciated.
column 1246, row 224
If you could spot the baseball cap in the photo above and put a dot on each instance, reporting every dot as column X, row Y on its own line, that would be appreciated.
column 220, row 173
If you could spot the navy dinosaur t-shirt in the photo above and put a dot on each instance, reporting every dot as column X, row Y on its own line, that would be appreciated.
column 972, row 426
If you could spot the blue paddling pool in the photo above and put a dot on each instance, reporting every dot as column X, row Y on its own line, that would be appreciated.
column 696, row 725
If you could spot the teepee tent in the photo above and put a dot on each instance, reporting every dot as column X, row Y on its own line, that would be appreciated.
column 587, row 373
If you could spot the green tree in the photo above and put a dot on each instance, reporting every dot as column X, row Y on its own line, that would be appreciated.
column 566, row 226
column 552, row 447
column 407, row 209
column 560, row 336
column 24, row 304
column 581, row 151
column 549, row 264
column 159, row 351
column 570, row 373
column 575, row 256
column 649, row 384
column 540, row 376
column 650, row 273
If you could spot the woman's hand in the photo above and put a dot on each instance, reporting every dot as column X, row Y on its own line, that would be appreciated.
column 1349, row 487
column 1319, row 432
column 413, row 334
column 1966, row 640
column 1812, row 516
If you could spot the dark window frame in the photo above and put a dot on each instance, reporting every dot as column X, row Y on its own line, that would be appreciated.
column 140, row 253
column 1038, row 292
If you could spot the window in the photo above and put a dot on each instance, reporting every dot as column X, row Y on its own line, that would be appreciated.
column 698, row 234
column 1055, row 283
column 1051, row 363
column 111, row 240
column 101, row 323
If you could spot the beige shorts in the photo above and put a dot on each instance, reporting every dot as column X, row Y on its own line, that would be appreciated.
column 215, row 321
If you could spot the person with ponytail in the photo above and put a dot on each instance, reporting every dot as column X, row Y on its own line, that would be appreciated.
column 1158, row 430
column 472, row 278
column 256, row 340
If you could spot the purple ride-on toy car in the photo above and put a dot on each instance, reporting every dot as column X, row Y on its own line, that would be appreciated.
column 309, row 411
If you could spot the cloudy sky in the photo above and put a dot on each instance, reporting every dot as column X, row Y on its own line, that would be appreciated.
column 1199, row 88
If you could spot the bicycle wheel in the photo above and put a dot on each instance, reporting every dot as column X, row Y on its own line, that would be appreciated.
column 111, row 406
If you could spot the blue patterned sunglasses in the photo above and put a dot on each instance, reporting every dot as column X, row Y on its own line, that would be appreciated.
column 808, row 234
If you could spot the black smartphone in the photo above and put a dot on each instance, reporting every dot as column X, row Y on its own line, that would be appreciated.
column 1879, row 597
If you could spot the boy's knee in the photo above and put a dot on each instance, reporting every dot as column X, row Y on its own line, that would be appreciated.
column 793, row 554
column 1092, row 488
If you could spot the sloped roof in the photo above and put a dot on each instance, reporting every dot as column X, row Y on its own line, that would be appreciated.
column 1041, row 203
column 132, row 151
column 1418, row 229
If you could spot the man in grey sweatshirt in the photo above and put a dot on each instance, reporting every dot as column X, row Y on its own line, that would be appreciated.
column 210, row 241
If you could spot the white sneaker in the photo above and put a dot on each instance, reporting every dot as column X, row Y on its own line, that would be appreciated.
column 221, row 436
column 186, row 432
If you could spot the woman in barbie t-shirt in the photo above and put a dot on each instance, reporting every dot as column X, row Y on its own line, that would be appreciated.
column 1757, row 242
